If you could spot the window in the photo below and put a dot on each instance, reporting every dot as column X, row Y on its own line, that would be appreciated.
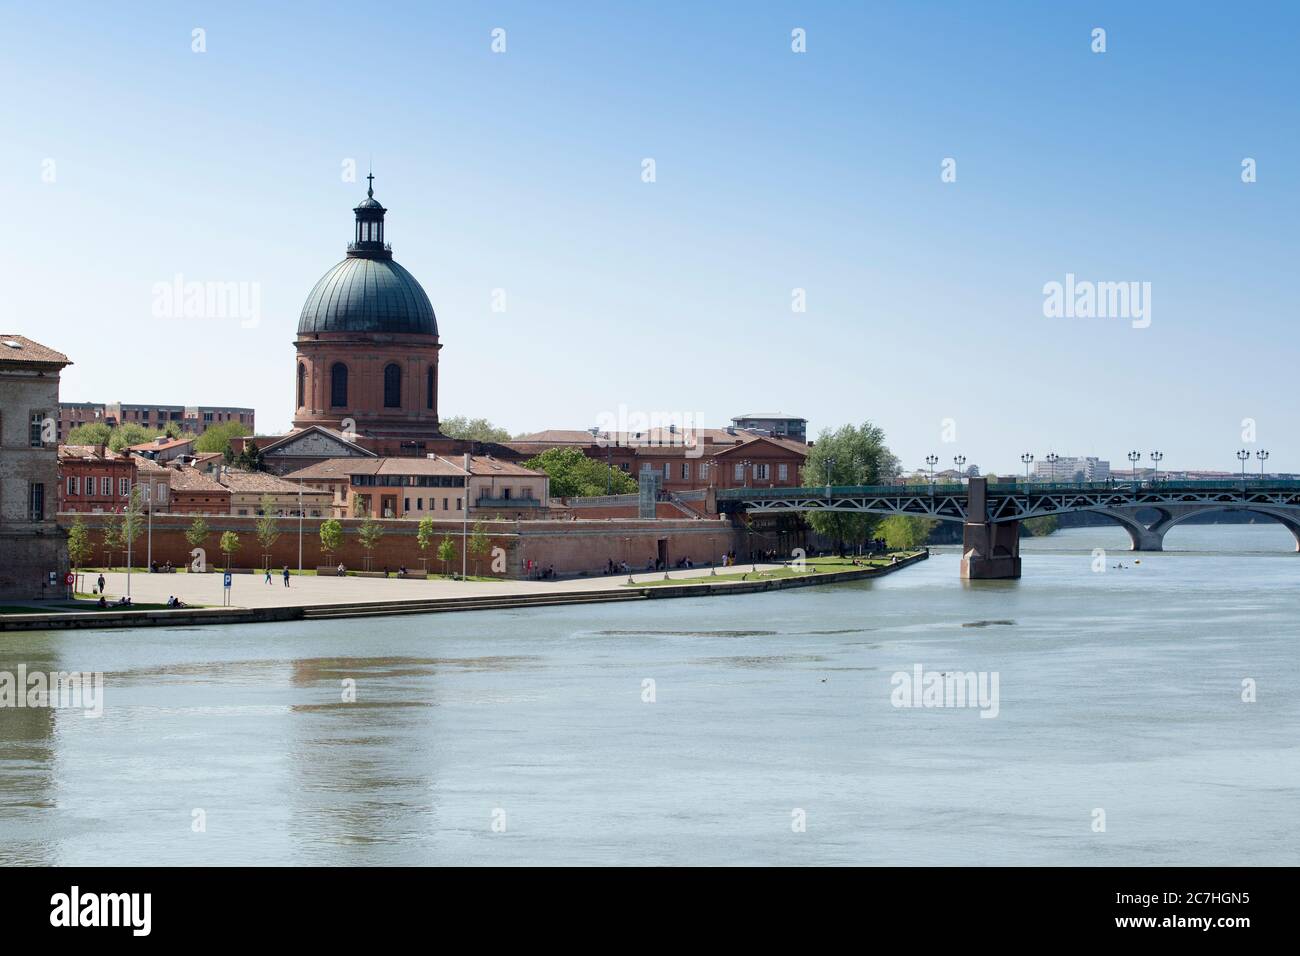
column 36, row 500
column 782, row 471
column 704, row 469
column 34, row 434
column 457, row 504
column 302, row 385
column 392, row 386
column 760, row 472
column 419, row 504
column 162, row 494
column 444, row 504
column 339, row 385
column 124, row 486
column 74, row 485
column 406, row 504
column 740, row 472
column 668, row 470
column 686, row 471
column 428, row 388
column 105, row 486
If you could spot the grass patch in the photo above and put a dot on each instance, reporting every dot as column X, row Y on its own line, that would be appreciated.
column 814, row 566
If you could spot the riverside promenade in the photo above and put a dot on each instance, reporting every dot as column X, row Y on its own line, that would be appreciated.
column 312, row 597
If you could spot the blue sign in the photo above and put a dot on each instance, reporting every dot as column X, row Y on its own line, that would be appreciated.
column 227, row 579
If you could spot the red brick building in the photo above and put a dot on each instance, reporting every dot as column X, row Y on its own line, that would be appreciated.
column 93, row 479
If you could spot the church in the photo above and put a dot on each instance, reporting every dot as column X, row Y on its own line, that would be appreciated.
column 366, row 369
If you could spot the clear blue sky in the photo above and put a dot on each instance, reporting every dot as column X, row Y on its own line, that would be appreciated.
column 775, row 171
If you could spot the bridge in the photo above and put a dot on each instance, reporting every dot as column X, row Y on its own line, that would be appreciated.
column 991, row 513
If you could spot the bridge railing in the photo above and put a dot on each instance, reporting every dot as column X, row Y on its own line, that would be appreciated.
column 1007, row 488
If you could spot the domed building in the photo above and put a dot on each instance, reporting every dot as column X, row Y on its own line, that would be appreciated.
column 368, row 346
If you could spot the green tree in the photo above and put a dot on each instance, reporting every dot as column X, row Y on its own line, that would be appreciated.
column 905, row 532
column 856, row 455
column 218, row 437
column 369, row 534
column 446, row 551
column 478, row 544
column 249, row 457
column 268, row 528
column 331, row 536
column 229, row 545
column 124, row 436
column 91, row 433
column 1041, row 526
column 133, row 520
column 424, row 538
column 112, row 535
column 472, row 429
column 78, row 543
column 197, row 533
column 574, row 475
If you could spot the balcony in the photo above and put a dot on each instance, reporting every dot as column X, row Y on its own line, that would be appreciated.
column 527, row 501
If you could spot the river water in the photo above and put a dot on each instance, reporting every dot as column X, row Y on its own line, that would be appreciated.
column 767, row 735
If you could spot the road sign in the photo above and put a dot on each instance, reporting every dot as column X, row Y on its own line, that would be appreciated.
column 226, row 580
column 68, row 579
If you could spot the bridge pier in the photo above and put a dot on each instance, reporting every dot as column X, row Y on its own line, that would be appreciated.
column 989, row 551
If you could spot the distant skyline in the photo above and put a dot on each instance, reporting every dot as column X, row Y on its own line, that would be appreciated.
column 131, row 160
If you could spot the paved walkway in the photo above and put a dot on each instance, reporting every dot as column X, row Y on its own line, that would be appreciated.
column 250, row 590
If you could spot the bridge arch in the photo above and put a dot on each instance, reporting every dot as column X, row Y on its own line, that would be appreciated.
column 1287, row 519
column 1151, row 537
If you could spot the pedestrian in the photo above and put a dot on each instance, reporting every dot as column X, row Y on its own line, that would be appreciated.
column 286, row 576
column 268, row 574
column 101, row 584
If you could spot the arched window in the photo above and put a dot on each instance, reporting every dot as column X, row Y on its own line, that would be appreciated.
column 302, row 384
column 428, row 388
column 339, row 385
column 392, row 386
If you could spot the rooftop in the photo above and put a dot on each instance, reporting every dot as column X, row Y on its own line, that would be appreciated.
column 19, row 349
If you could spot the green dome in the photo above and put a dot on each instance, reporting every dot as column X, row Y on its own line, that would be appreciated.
column 367, row 295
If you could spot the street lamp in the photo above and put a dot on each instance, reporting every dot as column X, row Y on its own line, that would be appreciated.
column 1027, row 458
column 1134, row 457
column 1157, row 457
column 744, row 471
column 1243, row 456
column 959, row 461
column 1262, row 455
column 300, row 526
column 1052, row 459
column 830, row 464
column 932, row 460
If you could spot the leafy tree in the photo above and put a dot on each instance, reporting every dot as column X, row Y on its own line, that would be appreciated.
column 229, row 545
column 78, row 542
column 128, row 434
column 424, row 538
column 369, row 534
column 1041, row 526
column 268, row 529
column 446, row 551
column 331, row 535
column 133, row 519
column 197, row 533
column 112, row 535
column 478, row 544
column 91, row 433
column 249, row 457
column 905, row 532
column 218, row 438
column 472, row 429
column 859, row 457
column 574, row 475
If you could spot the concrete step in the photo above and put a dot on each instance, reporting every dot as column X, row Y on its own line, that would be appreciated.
column 500, row 603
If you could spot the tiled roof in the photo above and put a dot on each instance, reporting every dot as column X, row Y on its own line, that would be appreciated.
column 20, row 349
column 156, row 445
column 192, row 480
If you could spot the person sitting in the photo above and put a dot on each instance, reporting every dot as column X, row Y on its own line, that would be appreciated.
column 342, row 570
column 102, row 601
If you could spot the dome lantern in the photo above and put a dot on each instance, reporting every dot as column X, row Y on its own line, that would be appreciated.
column 368, row 236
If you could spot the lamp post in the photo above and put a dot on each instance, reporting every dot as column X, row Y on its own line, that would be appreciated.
column 1243, row 456
column 300, row 526
column 1027, row 458
column 1134, row 457
column 959, row 461
column 744, row 471
column 1262, row 455
column 1052, row 458
column 713, row 556
column 830, row 465
column 1156, row 458
column 627, row 551
column 931, row 460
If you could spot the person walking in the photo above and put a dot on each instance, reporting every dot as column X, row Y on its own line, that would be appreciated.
column 268, row 574
column 101, row 584
column 286, row 576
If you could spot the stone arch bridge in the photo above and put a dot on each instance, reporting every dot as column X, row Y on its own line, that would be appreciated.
column 991, row 514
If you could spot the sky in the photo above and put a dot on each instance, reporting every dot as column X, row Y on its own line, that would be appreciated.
column 129, row 158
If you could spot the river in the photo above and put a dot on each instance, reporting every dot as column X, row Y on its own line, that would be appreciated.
column 750, row 729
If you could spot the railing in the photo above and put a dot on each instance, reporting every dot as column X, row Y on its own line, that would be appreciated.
column 1005, row 489
column 525, row 501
